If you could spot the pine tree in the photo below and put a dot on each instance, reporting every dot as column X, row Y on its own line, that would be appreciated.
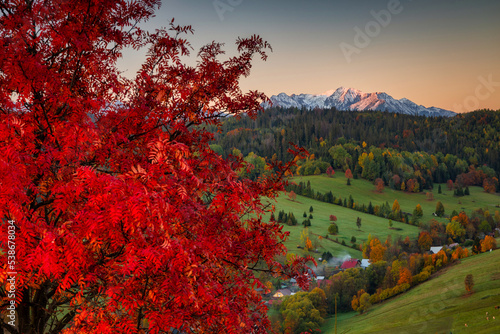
column 370, row 208
column 439, row 209
column 350, row 202
column 280, row 216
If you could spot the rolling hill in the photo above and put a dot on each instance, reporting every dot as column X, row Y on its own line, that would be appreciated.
column 439, row 305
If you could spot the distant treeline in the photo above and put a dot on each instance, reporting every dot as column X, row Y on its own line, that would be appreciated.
column 397, row 148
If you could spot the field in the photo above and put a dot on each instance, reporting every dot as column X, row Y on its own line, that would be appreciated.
column 370, row 224
column 363, row 192
column 439, row 305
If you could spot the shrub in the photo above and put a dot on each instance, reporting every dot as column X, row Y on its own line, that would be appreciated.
column 333, row 229
column 469, row 283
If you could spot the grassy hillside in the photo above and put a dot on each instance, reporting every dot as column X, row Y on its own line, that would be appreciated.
column 363, row 192
column 370, row 224
column 439, row 305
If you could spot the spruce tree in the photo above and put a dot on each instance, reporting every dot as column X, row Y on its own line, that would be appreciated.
column 439, row 209
column 370, row 208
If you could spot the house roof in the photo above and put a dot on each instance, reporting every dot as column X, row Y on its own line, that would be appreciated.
column 284, row 292
column 349, row 264
column 365, row 263
column 436, row 249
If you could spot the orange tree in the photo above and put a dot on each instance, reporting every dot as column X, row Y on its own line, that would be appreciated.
column 488, row 243
column 125, row 220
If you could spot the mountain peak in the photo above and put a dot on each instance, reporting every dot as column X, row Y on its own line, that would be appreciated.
column 345, row 98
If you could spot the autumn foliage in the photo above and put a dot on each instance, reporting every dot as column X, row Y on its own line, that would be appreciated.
column 379, row 185
column 488, row 243
column 330, row 171
column 424, row 241
column 126, row 220
column 361, row 301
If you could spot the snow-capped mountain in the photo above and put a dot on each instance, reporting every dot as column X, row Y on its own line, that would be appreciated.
column 353, row 99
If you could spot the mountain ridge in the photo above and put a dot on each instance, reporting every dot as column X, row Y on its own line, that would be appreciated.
column 353, row 99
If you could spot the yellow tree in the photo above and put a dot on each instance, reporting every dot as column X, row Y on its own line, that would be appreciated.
column 395, row 206
column 361, row 301
column 377, row 251
column 455, row 230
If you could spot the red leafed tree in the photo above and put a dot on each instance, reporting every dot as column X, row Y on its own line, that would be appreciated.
column 330, row 171
column 348, row 173
column 379, row 185
column 292, row 195
column 125, row 220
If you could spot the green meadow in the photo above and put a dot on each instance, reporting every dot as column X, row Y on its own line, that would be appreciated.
column 363, row 192
column 346, row 221
column 440, row 305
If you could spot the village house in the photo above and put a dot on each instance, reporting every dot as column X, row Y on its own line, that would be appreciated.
column 351, row 263
column 282, row 293
column 436, row 249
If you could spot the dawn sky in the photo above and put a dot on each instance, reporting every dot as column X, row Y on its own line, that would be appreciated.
column 435, row 53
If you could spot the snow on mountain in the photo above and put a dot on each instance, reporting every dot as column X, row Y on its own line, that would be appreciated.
column 353, row 99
